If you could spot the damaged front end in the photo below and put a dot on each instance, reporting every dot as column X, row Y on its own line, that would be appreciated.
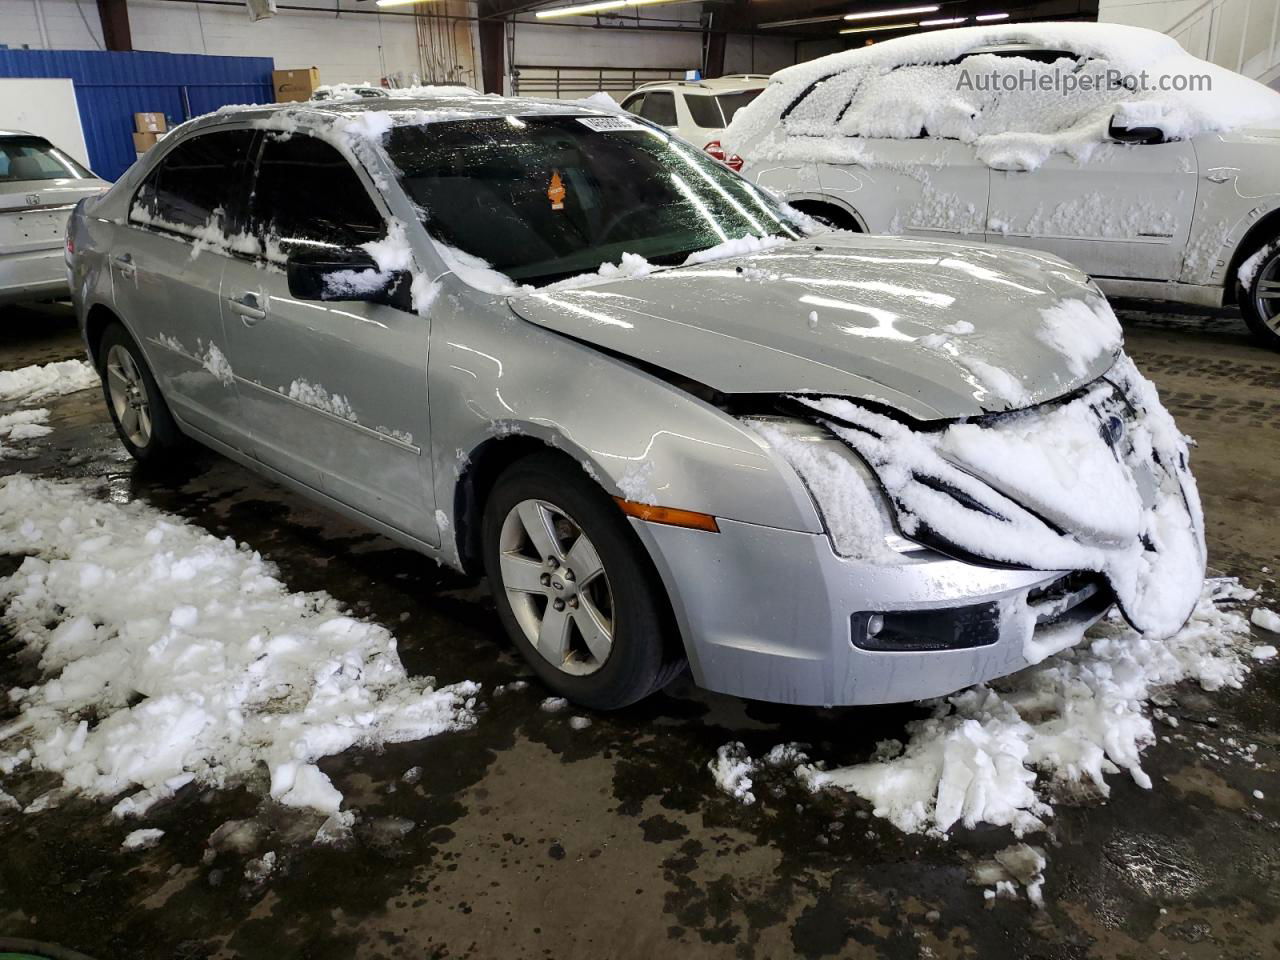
column 1096, row 484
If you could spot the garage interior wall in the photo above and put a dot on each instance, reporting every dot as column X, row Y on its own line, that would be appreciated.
column 348, row 47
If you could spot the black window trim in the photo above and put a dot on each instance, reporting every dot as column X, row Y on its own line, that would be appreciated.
column 238, row 212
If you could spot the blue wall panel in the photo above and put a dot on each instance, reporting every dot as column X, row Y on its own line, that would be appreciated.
column 112, row 86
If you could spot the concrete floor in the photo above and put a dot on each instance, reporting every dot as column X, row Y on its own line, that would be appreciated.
column 528, row 839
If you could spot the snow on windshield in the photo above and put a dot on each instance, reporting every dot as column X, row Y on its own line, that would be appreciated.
column 919, row 86
column 196, row 661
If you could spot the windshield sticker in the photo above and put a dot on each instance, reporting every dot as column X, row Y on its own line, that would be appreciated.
column 556, row 191
column 609, row 124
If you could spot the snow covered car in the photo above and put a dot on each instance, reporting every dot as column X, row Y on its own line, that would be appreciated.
column 39, row 184
column 669, row 420
column 1156, row 173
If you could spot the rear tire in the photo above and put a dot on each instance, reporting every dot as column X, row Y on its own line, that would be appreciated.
column 141, row 417
column 1260, row 302
column 574, row 587
column 829, row 215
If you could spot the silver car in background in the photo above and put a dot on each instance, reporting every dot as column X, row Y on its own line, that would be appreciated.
column 560, row 346
column 39, row 185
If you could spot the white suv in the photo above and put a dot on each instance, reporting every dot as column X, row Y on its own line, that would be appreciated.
column 697, row 110
column 1156, row 173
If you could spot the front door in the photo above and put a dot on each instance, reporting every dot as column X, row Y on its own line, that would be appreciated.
column 1124, row 212
column 166, row 269
column 335, row 392
column 921, row 187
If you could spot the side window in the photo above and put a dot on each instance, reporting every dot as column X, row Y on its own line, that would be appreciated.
column 634, row 104
column 660, row 107
column 307, row 195
column 198, row 182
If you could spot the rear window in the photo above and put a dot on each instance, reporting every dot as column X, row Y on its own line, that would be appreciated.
column 716, row 111
column 35, row 158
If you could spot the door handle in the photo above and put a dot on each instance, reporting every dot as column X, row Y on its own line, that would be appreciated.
column 125, row 262
column 1221, row 174
column 247, row 307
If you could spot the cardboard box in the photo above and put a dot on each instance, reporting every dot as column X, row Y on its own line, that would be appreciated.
column 294, row 85
column 149, row 123
column 142, row 142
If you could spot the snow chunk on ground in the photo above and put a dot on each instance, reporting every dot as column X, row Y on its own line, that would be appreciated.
column 1263, row 652
column 1068, row 721
column 732, row 769
column 552, row 704
column 142, row 839
column 1266, row 619
column 37, row 383
column 22, row 425
column 194, row 661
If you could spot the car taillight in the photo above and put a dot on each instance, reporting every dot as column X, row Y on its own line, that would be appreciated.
column 71, row 245
column 716, row 152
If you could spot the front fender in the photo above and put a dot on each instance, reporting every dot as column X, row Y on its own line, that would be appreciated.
column 1239, row 187
column 641, row 438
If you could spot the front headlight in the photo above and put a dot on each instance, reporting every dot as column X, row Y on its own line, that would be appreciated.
column 845, row 492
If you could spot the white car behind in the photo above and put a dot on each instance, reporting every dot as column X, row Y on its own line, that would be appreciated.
column 1155, row 172
column 39, row 186
column 697, row 110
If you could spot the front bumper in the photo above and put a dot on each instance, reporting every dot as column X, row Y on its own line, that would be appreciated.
column 33, row 275
column 768, row 614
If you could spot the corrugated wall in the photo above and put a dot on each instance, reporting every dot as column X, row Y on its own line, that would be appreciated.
column 112, row 86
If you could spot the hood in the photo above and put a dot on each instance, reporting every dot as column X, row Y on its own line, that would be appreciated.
column 935, row 330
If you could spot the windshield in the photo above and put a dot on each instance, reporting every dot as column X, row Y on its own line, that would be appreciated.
column 35, row 158
column 544, row 198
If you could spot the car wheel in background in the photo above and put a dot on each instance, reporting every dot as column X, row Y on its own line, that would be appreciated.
column 137, row 409
column 1260, row 303
column 828, row 214
column 574, row 587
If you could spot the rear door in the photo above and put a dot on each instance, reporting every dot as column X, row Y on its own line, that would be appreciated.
column 166, row 270
column 336, row 391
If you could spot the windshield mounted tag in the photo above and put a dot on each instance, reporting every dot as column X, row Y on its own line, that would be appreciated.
column 609, row 124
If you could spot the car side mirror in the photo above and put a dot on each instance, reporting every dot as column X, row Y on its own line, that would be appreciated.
column 1119, row 131
column 345, row 275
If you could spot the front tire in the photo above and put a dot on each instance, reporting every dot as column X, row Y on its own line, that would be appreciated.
column 574, row 588
column 141, row 417
column 1260, row 301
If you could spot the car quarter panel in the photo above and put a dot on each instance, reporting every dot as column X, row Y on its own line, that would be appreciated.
column 1239, row 185
column 639, row 437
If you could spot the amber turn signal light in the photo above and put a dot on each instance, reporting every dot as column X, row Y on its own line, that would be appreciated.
column 669, row 515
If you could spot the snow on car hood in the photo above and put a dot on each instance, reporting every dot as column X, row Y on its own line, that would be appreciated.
column 935, row 330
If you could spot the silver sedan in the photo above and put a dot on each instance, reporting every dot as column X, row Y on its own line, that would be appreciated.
column 672, row 422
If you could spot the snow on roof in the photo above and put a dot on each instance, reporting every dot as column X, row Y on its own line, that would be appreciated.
column 915, row 86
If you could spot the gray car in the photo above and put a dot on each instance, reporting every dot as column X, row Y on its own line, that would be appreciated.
column 671, row 422
column 39, row 185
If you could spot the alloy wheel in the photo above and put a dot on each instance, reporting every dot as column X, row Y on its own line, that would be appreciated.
column 128, row 395
column 557, row 587
column 1266, row 293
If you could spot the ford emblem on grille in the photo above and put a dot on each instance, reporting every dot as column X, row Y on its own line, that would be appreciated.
column 1113, row 430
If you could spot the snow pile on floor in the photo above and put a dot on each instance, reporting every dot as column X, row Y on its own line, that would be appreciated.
column 171, row 656
column 22, row 425
column 38, row 383
column 733, row 768
column 1266, row 619
column 1016, row 111
column 996, row 753
column 1014, row 865
column 1053, row 488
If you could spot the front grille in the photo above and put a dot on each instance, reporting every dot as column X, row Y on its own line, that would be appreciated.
column 1076, row 598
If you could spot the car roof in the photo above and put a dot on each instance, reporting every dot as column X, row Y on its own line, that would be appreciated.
column 413, row 109
column 17, row 133
column 735, row 81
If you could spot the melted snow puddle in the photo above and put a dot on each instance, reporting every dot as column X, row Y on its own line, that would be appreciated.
column 195, row 662
column 1061, row 726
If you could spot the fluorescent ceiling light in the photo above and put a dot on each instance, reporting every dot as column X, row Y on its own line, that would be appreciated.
column 900, row 12
column 801, row 21
column 991, row 16
column 397, row 3
column 882, row 27
column 600, row 7
column 943, row 23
